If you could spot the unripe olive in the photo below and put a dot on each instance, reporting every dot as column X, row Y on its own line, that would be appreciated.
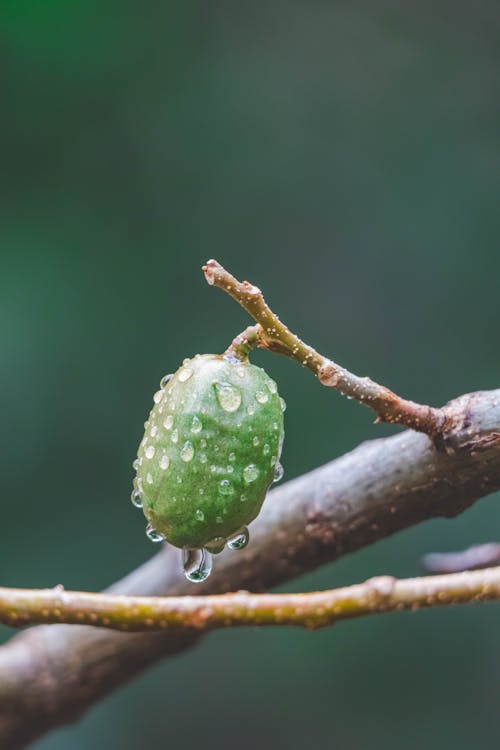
column 210, row 451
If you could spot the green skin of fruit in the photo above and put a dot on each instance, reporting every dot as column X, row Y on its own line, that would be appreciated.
column 216, row 418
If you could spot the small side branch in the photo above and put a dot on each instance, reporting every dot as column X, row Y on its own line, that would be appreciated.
column 272, row 334
column 310, row 610
column 473, row 558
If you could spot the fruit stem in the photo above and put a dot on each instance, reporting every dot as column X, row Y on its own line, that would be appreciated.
column 242, row 345
column 272, row 334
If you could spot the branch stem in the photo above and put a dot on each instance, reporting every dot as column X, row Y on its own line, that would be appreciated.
column 20, row 607
column 274, row 335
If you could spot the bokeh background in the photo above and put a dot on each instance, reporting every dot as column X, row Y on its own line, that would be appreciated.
column 344, row 156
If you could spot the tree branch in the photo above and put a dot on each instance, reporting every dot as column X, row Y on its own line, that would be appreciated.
column 314, row 610
column 50, row 675
column 272, row 334
column 473, row 558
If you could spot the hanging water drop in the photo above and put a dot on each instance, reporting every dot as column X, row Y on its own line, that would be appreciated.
column 239, row 540
column 216, row 545
column 278, row 472
column 153, row 535
column 136, row 498
column 197, row 564
column 228, row 396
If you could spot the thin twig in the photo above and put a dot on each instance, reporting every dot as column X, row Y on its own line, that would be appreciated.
column 311, row 610
column 473, row 558
column 274, row 335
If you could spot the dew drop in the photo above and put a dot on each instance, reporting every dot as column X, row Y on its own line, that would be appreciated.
column 175, row 436
column 243, row 498
column 261, row 397
column 136, row 464
column 196, row 425
column 232, row 456
column 197, row 564
column 256, row 440
column 250, row 473
column 228, row 396
column 240, row 372
column 225, row 487
column 169, row 420
column 203, row 458
column 158, row 397
column 165, row 379
column 136, row 498
column 250, row 409
column 187, row 451
column 150, row 451
column 199, row 515
column 278, row 472
column 149, row 478
column 273, row 460
column 229, row 469
column 153, row 431
column 266, row 449
column 153, row 535
column 283, row 404
column 164, row 462
column 239, row 540
column 218, row 519
column 185, row 374
column 203, row 443
column 273, row 388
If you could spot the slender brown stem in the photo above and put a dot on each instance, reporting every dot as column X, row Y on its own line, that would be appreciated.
column 274, row 335
column 312, row 610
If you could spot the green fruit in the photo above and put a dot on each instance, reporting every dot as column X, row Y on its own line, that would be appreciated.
column 210, row 451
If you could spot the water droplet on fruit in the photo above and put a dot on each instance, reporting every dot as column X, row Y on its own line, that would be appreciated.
column 196, row 425
column 266, row 449
column 199, row 515
column 136, row 498
column 136, row 464
column 278, row 472
column 273, row 388
column 256, row 440
column 187, row 451
column 273, row 460
column 240, row 372
column 185, row 374
column 243, row 498
column 164, row 462
column 239, row 540
column 203, row 443
column 203, row 458
column 158, row 397
column 153, row 430
column 149, row 478
column 283, row 404
column 150, row 451
column 225, row 487
column 197, row 564
column 153, row 535
column 169, row 420
column 250, row 409
column 229, row 396
column 218, row 519
column 250, row 473
column 261, row 397
column 175, row 436
column 165, row 379
column 232, row 456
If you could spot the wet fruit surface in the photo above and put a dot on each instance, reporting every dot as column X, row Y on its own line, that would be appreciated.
column 210, row 452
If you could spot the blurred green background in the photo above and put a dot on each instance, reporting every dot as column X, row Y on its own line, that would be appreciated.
column 344, row 156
